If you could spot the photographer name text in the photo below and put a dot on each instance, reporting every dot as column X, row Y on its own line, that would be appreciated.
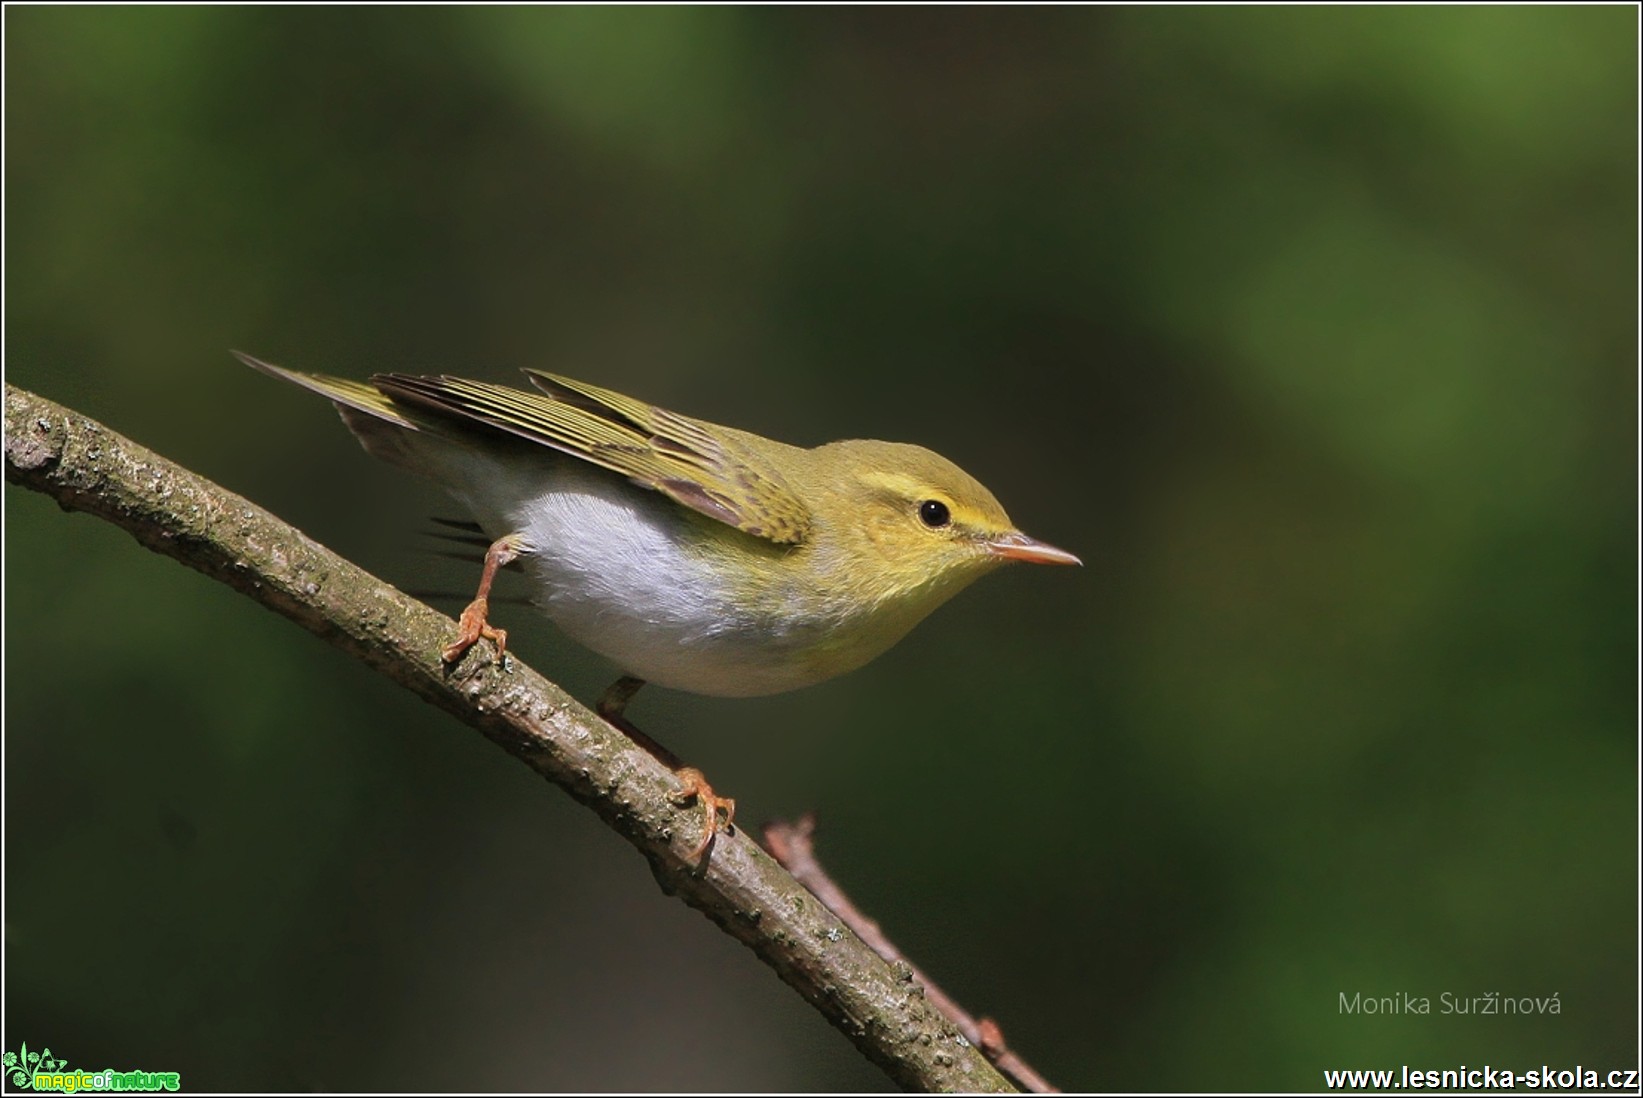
column 1446, row 1003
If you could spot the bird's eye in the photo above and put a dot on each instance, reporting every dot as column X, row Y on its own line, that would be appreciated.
column 934, row 513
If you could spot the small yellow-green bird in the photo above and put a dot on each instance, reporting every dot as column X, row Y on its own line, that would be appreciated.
column 691, row 555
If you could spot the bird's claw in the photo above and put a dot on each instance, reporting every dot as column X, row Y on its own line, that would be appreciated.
column 470, row 628
column 696, row 788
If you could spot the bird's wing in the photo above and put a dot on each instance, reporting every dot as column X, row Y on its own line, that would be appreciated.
column 706, row 469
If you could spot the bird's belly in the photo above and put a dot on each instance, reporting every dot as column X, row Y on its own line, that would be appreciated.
column 679, row 654
column 621, row 571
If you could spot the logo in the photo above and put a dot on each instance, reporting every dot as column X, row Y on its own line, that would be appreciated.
column 42, row 1071
column 22, row 1064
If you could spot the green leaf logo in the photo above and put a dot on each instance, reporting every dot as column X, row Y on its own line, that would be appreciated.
column 21, row 1066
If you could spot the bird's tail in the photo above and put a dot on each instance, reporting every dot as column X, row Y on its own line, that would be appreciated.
column 381, row 426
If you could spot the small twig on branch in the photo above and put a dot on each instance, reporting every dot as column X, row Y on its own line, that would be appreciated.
column 86, row 467
column 792, row 846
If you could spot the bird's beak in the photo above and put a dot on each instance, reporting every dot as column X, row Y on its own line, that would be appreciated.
column 1018, row 546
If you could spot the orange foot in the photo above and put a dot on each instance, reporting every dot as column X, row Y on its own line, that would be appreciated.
column 697, row 789
column 470, row 628
column 503, row 552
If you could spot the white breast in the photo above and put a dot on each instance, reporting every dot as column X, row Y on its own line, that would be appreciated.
column 610, row 564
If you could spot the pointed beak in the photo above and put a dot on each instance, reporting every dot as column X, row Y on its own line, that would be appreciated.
column 1018, row 546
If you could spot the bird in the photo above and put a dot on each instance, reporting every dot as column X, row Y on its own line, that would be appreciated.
column 692, row 555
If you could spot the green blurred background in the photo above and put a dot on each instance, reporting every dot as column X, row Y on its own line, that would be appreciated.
column 1312, row 331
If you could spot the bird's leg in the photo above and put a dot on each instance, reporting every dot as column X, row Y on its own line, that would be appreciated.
column 611, row 706
column 472, row 625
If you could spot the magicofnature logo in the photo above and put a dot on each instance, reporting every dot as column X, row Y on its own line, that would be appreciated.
column 41, row 1070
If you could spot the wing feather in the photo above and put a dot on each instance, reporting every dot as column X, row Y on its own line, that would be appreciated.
column 707, row 469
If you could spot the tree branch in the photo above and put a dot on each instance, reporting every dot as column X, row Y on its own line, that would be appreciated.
column 879, row 1007
column 792, row 846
